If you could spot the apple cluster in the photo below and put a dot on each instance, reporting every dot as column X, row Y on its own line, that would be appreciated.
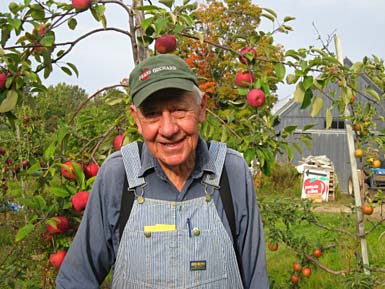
column 245, row 78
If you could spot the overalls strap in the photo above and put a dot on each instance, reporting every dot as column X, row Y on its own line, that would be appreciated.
column 132, row 165
column 217, row 152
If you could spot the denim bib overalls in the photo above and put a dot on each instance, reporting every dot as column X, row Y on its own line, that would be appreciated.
column 177, row 245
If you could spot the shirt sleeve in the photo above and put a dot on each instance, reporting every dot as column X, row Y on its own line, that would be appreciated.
column 91, row 254
column 250, row 234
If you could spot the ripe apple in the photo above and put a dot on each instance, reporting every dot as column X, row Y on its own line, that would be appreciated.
column 376, row 163
column 41, row 29
column 272, row 246
column 25, row 163
column 56, row 259
column 247, row 50
column 61, row 225
column 244, row 78
column 306, row 271
column 68, row 171
column 2, row 151
column 81, row 4
column 356, row 127
column 91, row 170
column 297, row 267
column 166, row 43
column 16, row 168
column 118, row 141
column 317, row 252
column 256, row 97
column 367, row 210
column 3, row 80
column 26, row 118
column 79, row 201
column 359, row 153
column 294, row 278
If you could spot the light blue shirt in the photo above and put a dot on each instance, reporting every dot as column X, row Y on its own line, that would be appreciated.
column 94, row 248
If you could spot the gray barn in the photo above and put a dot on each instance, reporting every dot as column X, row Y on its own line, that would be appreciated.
column 331, row 142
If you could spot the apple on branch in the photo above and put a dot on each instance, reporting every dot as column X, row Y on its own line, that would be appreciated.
column 81, row 4
column 256, row 97
column 3, row 80
column 247, row 55
column 61, row 224
column 244, row 78
column 56, row 259
column 166, row 44
column 79, row 201
column 118, row 142
column 91, row 170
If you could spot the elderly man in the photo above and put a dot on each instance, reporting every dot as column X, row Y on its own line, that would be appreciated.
column 178, row 231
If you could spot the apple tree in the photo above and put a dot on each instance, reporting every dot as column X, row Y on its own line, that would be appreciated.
column 239, row 67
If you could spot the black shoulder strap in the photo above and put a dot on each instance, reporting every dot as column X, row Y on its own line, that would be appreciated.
column 127, row 202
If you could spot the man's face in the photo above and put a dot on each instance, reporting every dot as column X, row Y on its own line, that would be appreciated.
column 169, row 123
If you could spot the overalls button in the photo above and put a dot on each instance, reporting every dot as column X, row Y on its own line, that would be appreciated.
column 196, row 232
column 208, row 198
column 140, row 200
column 147, row 234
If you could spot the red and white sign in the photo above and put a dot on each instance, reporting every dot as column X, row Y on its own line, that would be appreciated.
column 315, row 184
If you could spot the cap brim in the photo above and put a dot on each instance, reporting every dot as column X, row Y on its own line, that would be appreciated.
column 181, row 83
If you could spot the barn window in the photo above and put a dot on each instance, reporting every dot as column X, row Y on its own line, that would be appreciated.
column 337, row 124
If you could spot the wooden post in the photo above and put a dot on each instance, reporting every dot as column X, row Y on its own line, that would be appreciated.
column 353, row 165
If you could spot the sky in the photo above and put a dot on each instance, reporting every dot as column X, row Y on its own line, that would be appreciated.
column 105, row 59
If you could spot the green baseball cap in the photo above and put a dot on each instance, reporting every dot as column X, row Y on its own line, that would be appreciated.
column 160, row 72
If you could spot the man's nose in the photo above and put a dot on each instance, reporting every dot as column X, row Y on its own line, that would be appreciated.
column 168, row 125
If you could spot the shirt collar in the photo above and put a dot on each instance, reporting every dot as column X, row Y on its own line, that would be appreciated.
column 203, row 163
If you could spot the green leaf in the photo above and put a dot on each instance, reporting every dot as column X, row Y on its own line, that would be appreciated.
column 290, row 128
column 9, row 102
column 268, row 16
column 167, row 3
column 307, row 99
column 72, row 23
column 146, row 23
column 66, row 70
column 291, row 78
column 271, row 12
column 357, row 66
column 15, row 23
column 161, row 25
column 13, row 7
column 329, row 117
column 288, row 18
column 280, row 71
column 50, row 151
column 74, row 68
column 187, row 19
column 299, row 92
column 23, row 232
column 40, row 202
column 373, row 93
column 59, row 192
column 307, row 82
column 316, row 106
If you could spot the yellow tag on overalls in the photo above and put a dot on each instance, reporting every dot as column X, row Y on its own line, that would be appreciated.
column 160, row 228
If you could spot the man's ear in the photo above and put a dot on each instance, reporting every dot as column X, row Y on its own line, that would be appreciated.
column 202, row 109
column 134, row 113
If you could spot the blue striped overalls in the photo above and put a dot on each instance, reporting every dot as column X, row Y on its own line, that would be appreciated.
column 174, row 244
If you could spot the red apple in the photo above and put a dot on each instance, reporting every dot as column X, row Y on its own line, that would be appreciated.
column 244, row 79
column 68, row 172
column 166, row 44
column 91, row 170
column 118, row 141
column 2, row 151
column 247, row 50
column 61, row 225
column 256, row 97
column 41, row 29
column 3, row 80
column 26, row 118
column 79, row 201
column 56, row 259
column 81, row 4
column 25, row 163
